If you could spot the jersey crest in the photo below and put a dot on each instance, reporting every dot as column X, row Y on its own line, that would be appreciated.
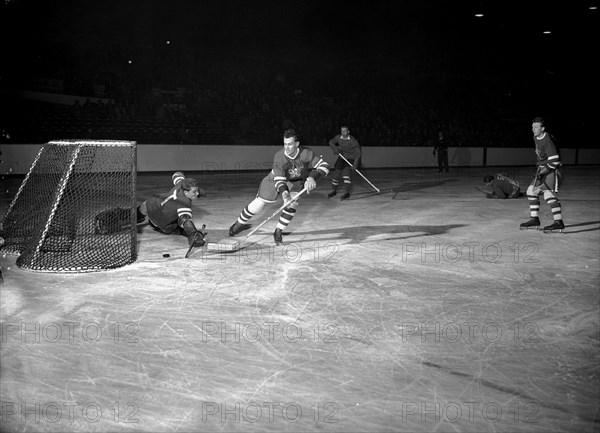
column 295, row 171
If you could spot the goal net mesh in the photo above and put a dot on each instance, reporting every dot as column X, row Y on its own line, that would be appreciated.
column 75, row 209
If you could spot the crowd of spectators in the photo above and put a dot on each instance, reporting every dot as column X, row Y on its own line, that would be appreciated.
column 162, row 98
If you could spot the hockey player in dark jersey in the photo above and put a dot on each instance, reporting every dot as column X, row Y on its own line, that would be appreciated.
column 171, row 213
column 349, row 147
column 546, row 178
column 293, row 166
column 502, row 187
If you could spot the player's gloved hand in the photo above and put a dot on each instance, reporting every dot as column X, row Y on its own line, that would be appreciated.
column 539, row 177
column 201, row 193
column 336, row 151
column 196, row 239
column 310, row 184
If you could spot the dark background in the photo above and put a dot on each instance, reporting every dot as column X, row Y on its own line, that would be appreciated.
column 374, row 65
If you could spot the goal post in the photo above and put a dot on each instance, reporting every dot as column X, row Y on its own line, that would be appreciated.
column 75, row 210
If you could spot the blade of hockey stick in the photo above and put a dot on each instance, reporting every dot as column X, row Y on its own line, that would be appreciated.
column 480, row 190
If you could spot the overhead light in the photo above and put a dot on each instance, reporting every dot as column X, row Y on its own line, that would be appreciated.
column 547, row 32
column 478, row 15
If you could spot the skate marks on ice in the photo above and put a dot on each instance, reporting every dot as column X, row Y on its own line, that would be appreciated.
column 327, row 241
column 353, row 235
column 415, row 186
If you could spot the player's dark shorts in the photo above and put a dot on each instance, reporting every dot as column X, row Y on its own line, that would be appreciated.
column 268, row 193
column 549, row 183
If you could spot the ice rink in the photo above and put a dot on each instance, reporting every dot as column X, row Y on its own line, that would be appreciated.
column 422, row 308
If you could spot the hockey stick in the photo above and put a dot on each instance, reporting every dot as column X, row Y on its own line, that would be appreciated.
column 230, row 247
column 480, row 190
column 356, row 170
column 196, row 235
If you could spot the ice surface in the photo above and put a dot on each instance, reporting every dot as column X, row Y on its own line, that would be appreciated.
column 423, row 308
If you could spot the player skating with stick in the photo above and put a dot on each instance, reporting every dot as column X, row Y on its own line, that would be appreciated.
column 293, row 166
column 348, row 148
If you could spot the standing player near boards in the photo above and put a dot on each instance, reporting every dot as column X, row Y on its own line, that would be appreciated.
column 546, row 179
column 294, row 165
column 442, row 153
column 349, row 147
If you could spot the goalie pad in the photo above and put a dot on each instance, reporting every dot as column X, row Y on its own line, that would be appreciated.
column 112, row 221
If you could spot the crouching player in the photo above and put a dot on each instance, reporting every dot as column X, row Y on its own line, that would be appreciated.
column 172, row 212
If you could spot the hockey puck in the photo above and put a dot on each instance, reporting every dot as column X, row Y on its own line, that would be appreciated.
column 166, row 255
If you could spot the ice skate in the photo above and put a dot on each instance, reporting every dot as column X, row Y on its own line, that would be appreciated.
column 345, row 196
column 278, row 236
column 235, row 228
column 556, row 226
column 533, row 223
column 331, row 194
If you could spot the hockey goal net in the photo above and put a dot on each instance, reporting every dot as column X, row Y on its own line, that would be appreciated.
column 75, row 209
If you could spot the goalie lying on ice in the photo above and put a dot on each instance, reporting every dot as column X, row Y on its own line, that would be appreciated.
column 172, row 212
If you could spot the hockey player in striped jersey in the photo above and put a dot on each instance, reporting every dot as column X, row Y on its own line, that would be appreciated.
column 293, row 166
column 349, row 147
column 546, row 179
column 172, row 213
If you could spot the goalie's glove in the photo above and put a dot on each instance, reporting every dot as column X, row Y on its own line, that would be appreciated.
column 195, row 237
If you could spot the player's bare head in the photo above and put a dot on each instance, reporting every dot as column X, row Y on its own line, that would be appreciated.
column 290, row 142
column 190, row 188
column 188, row 183
column 344, row 130
column 537, row 126
column 290, row 133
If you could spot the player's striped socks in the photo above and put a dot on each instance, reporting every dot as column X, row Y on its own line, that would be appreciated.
column 347, row 183
column 254, row 207
column 534, row 205
column 286, row 217
column 554, row 204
